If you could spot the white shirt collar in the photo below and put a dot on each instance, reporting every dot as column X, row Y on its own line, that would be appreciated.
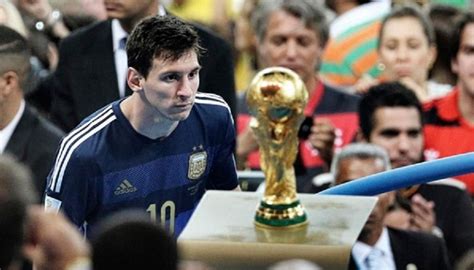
column 6, row 133
column 118, row 33
column 161, row 10
column 361, row 250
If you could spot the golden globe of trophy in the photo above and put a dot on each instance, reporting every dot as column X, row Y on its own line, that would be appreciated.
column 276, row 99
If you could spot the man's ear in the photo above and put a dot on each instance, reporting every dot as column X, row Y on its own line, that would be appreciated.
column 10, row 81
column 134, row 79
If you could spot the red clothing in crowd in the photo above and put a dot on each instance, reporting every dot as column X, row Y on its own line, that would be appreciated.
column 325, row 101
column 447, row 133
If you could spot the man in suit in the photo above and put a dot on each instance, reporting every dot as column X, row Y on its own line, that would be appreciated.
column 391, row 117
column 30, row 138
column 93, row 62
column 378, row 246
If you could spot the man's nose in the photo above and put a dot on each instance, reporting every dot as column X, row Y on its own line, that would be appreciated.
column 185, row 90
column 291, row 49
column 403, row 143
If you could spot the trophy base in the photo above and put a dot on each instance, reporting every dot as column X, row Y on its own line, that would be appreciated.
column 222, row 232
column 280, row 215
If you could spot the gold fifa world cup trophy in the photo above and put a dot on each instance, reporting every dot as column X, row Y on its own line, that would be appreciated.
column 276, row 99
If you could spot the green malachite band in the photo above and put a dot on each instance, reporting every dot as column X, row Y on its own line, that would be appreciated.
column 280, row 206
column 281, row 222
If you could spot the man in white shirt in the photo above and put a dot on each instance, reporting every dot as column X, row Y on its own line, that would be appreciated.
column 380, row 247
column 92, row 63
column 23, row 134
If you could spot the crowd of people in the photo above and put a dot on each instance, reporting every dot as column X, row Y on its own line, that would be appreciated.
column 114, row 105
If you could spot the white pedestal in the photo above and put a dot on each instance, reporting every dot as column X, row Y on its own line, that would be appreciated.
column 222, row 233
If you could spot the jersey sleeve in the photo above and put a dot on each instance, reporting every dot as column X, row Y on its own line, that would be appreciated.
column 223, row 174
column 72, row 187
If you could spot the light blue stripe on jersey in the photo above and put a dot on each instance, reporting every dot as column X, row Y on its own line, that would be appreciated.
column 213, row 99
column 73, row 140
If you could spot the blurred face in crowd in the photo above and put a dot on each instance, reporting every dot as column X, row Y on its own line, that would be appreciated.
column 127, row 9
column 289, row 43
column 463, row 64
column 244, row 35
column 405, row 50
column 354, row 168
column 399, row 131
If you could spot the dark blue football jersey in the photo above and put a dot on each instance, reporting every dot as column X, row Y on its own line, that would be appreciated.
column 104, row 165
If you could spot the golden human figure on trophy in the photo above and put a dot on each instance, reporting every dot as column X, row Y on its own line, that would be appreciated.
column 276, row 99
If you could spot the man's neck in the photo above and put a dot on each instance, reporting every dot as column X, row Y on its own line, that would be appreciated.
column 466, row 105
column 311, row 83
column 370, row 238
column 145, row 120
column 129, row 23
column 8, row 110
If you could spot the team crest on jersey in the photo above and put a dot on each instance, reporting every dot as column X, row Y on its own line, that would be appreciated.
column 197, row 165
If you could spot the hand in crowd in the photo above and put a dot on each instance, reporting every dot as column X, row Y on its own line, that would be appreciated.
column 53, row 243
column 246, row 143
column 322, row 138
column 419, row 91
column 423, row 217
column 43, row 11
column 398, row 218
column 364, row 83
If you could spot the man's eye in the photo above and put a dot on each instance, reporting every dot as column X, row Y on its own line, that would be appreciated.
column 193, row 74
column 390, row 133
column 414, row 133
column 278, row 40
column 304, row 42
column 170, row 78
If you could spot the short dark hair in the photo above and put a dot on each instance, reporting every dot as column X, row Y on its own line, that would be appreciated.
column 391, row 94
column 164, row 37
column 410, row 11
column 129, row 240
column 14, row 53
column 16, row 193
column 465, row 19
column 309, row 12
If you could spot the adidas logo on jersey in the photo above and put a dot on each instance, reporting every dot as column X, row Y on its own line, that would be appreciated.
column 125, row 187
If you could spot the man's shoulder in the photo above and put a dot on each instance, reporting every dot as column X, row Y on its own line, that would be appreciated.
column 336, row 100
column 211, row 103
column 89, row 131
column 442, row 191
column 335, row 91
column 449, row 200
column 442, row 111
column 209, row 39
column 414, row 239
column 43, row 128
column 88, row 34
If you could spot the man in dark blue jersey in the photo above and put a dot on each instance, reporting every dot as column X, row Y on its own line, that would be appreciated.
column 159, row 149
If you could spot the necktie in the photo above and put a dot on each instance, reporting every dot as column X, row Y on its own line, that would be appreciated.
column 123, row 43
column 372, row 260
